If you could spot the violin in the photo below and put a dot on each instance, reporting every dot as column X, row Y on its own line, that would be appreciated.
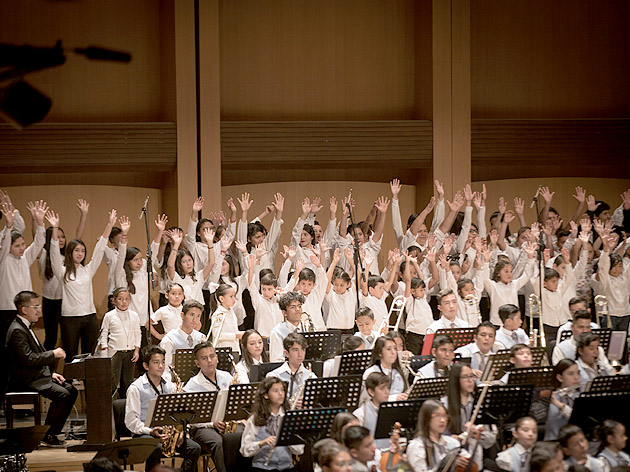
column 392, row 460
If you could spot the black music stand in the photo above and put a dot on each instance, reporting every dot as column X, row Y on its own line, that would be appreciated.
column 405, row 412
column 306, row 427
column 333, row 392
column 322, row 345
column 603, row 333
column 354, row 362
column 181, row 409
column 429, row 388
column 540, row 377
column 129, row 451
column 239, row 401
column 184, row 364
column 501, row 362
column 610, row 383
column 504, row 404
column 257, row 372
column 591, row 408
column 227, row 359
column 460, row 336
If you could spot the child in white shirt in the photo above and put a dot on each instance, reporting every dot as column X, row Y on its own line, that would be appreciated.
column 364, row 320
column 224, row 327
column 510, row 333
column 169, row 315
column 265, row 302
column 120, row 337
column 340, row 297
column 516, row 458
column 447, row 304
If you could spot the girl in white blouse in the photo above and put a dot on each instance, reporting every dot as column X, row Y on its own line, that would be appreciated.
column 225, row 333
column 252, row 353
column 78, row 313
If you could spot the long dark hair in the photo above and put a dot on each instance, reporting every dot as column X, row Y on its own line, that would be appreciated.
column 131, row 253
column 378, row 347
column 232, row 272
column 71, row 271
column 245, row 355
column 262, row 408
column 48, row 272
column 607, row 428
column 454, row 395
column 181, row 253
column 252, row 229
column 423, row 427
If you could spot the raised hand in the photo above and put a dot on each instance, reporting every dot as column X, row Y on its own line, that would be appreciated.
column 429, row 208
column 198, row 204
column 448, row 245
column 494, row 237
column 333, row 205
column 519, row 205
column 113, row 216
column 439, row 188
column 231, row 206
column 431, row 239
column 535, row 230
column 241, row 246
column 245, row 202
column 546, row 194
column 39, row 211
column 161, row 222
column 509, row 216
column 548, row 228
column 444, row 262
column 457, row 203
column 316, row 205
column 530, row 249
column 584, row 237
column 477, row 200
column 260, row 251
column 580, row 194
column 625, row 198
column 83, row 206
column 53, row 218
column 566, row 256
column 251, row 260
column 590, row 203
column 289, row 252
column 278, row 202
column 226, row 242
column 306, row 206
column 315, row 260
column 208, row 235
column 382, row 204
column 574, row 229
column 468, row 193
column 395, row 186
column 483, row 194
column 125, row 224
column 430, row 255
column 586, row 225
column 347, row 253
column 177, row 236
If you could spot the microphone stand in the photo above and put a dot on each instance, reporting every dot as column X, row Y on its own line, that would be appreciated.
column 357, row 254
column 541, row 263
column 149, row 274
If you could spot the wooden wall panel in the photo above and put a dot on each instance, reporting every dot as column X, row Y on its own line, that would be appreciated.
column 62, row 198
column 364, row 193
column 304, row 60
column 541, row 59
column 92, row 91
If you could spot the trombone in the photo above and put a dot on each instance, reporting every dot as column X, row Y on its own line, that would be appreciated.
column 601, row 308
column 472, row 307
column 537, row 336
column 397, row 307
column 218, row 319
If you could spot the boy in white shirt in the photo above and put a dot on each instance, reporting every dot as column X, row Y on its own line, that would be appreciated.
column 443, row 351
column 377, row 386
column 364, row 320
column 447, row 304
column 510, row 333
column 293, row 371
column 313, row 287
column 291, row 306
column 265, row 302
column 480, row 350
column 169, row 315
column 554, row 310
column 121, row 338
column 186, row 336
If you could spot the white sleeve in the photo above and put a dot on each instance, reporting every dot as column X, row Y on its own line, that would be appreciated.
column 132, row 412
column 249, row 445
column 481, row 222
column 55, row 260
column 33, row 250
column 397, row 221
column 97, row 256
column 438, row 215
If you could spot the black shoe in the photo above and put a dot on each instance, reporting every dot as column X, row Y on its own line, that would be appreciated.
column 52, row 441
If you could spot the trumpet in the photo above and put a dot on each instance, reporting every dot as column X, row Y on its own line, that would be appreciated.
column 472, row 307
column 218, row 320
column 306, row 323
column 601, row 308
column 537, row 338
column 398, row 308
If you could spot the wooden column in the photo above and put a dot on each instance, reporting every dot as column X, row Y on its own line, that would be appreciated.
column 210, row 104
column 451, row 94
column 186, row 108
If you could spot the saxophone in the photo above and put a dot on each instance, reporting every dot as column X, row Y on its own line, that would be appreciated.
column 173, row 431
column 230, row 426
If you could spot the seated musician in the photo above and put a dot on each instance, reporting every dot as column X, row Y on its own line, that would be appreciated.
column 186, row 336
column 293, row 371
column 31, row 367
column 567, row 349
column 480, row 350
column 139, row 395
column 377, row 387
column 589, row 364
column 291, row 307
column 209, row 379
column 510, row 332
column 443, row 351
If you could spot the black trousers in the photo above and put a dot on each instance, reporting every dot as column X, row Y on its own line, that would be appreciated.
column 122, row 372
column 414, row 342
column 63, row 397
column 75, row 329
column 6, row 318
column 189, row 449
column 51, row 310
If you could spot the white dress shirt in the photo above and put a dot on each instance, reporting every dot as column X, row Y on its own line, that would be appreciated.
column 444, row 323
column 120, row 330
column 169, row 315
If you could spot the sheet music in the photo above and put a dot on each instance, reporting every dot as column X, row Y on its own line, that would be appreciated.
column 219, row 407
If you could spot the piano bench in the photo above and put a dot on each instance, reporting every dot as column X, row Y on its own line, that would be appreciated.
column 23, row 398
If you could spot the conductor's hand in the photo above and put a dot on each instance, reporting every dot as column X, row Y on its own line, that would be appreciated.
column 59, row 353
column 220, row 426
column 58, row 378
column 270, row 441
column 158, row 432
